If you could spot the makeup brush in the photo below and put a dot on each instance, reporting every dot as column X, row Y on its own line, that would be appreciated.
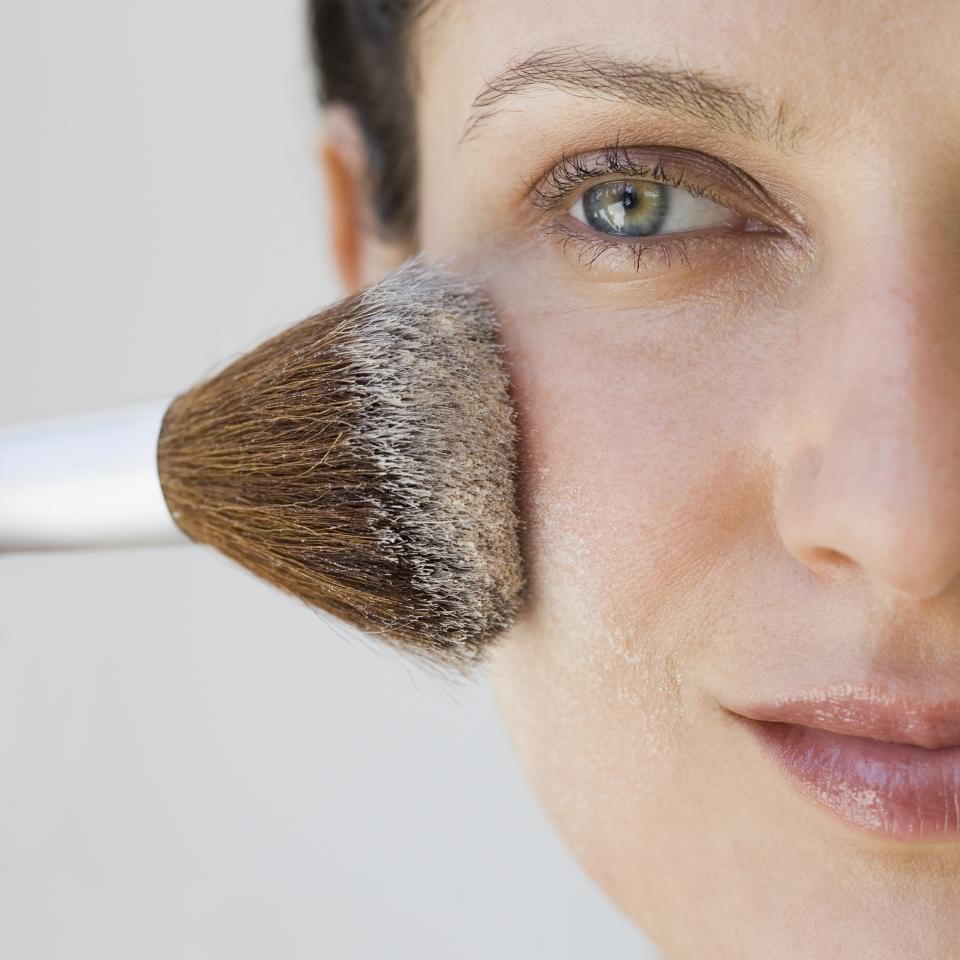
column 363, row 460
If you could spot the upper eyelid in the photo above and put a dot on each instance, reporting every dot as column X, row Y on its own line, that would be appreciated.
column 563, row 179
column 692, row 170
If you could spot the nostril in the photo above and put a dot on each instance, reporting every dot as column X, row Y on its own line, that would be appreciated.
column 825, row 562
column 832, row 556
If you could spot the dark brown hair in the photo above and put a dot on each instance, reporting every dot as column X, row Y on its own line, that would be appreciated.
column 361, row 53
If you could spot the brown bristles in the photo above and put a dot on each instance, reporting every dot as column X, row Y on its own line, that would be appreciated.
column 364, row 460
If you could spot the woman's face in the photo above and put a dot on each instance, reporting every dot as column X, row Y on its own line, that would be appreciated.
column 741, row 473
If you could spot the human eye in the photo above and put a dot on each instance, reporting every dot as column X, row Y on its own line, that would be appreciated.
column 641, row 208
column 653, row 209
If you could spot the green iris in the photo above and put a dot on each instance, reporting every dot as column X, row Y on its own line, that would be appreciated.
column 626, row 207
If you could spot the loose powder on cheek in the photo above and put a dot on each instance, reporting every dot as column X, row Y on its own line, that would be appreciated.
column 597, row 684
column 579, row 544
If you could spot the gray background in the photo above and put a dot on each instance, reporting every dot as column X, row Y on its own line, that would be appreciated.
column 193, row 765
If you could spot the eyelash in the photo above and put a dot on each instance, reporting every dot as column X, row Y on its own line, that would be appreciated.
column 573, row 171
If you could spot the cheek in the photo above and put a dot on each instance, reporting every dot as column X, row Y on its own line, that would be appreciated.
column 631, row 457
column 628, row 476
column 593, row 696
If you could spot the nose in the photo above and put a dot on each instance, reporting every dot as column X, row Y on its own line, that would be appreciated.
column 871, row 476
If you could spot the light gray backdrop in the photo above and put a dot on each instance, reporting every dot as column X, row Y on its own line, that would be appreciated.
column 191, row 764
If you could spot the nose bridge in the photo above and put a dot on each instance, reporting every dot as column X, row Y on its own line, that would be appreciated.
column 875, row 477
column 895, row 355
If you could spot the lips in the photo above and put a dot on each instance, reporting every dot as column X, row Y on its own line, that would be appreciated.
column 879, row 760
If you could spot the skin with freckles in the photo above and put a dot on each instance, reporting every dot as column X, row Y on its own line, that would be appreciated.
column 741, row 455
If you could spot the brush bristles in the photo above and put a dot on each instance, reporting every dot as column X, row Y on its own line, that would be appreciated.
column 364, row 460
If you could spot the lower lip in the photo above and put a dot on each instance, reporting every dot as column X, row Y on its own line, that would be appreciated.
column 895, row 790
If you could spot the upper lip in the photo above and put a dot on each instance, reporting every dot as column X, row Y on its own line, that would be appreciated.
column 866, row 711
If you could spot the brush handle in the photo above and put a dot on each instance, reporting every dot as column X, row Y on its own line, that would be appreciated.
column 84, row 481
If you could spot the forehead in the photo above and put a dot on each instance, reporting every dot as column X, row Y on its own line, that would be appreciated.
column 822, row 63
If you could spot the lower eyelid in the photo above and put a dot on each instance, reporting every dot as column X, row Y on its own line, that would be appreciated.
column 658, row 254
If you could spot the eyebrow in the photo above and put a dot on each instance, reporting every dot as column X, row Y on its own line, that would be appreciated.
column 594, row 73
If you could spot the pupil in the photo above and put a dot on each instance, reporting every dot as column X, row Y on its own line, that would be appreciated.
column 626, row 207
